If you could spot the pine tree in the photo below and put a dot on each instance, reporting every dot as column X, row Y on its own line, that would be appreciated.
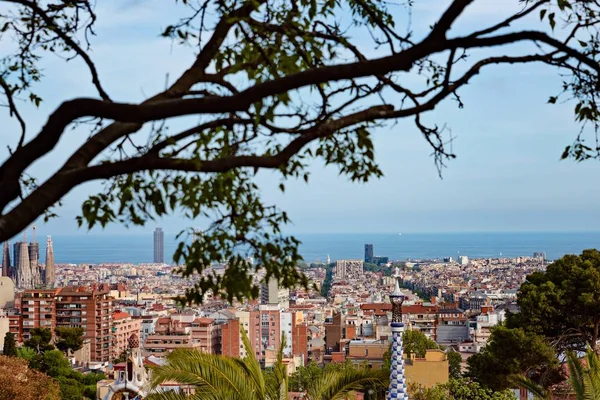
column 10, row 345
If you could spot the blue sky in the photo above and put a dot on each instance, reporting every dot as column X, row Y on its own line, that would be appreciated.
column 507, row 175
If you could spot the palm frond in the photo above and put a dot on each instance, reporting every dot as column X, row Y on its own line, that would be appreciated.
column 252, row 367
column 337, row 385
column 538, row 391
column 576, row 375
column 206, row 372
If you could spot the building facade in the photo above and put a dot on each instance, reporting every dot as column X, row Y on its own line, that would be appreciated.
column 369, row 253
column 38, row 310
column 159, row 246
column 124, row 327
column 91, row 310
column 49, row 274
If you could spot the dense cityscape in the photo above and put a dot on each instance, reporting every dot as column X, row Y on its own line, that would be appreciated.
column 131, row 309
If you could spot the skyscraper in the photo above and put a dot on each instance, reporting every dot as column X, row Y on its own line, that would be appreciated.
column 369, row 253
column 159, row 246
column 49, row 278
column 6, row 260
column 397, row 390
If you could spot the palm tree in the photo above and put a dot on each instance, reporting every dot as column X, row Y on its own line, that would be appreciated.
column 584, row 379
column 218, row 377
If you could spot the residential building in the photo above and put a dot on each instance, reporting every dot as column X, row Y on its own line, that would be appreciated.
column 207, row 334
column 271, row 293
column 231, row 343
column 159, row 246
column 367, row 352
column 428, row 371
column 348, row 269
column 7, row 292
column 124, row 326
column 148, row 327
column 91, row 310
column 38, row 310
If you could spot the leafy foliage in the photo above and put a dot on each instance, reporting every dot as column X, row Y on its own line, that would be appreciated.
column 17, row 381
column 39, row 340
column 584, row 378
column 511, row 352
column 563, row 303
column 69, row 339
column 222, row 377
column 10, row 345
column 274, row 86
column 73, row 384
column 417, row 343
column 459, row 389
column 454, row 364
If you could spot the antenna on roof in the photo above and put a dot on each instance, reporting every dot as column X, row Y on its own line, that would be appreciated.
column 33, row 234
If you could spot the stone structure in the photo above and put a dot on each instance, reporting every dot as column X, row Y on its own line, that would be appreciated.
column 49, row 277
column 130, row 384
column 398, row 389
column 6, row 259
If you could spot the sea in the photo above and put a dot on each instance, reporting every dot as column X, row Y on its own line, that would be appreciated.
column 94, row 249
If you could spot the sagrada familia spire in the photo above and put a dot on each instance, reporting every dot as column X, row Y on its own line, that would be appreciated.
column 6, row 259
column 397, row 390
column 49, row 277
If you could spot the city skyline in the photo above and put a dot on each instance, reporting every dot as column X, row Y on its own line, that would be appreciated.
column 507, row 175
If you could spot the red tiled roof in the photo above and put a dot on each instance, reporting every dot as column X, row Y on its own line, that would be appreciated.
column 120, row 315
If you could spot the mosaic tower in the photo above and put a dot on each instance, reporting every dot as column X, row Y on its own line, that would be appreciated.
column 397, row 390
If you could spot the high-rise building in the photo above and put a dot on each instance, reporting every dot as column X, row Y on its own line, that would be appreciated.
column 348, row 268
column 369, row 253
column 38, row 308
column 159, row 246
column 91, row 310
column 271, row 293
column 6, row 260
column 49, row 277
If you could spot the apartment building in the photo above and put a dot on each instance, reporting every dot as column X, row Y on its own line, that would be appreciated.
column 231, row 344
column 38, row 310
column 91, row 310
column 207, row 334
column 124, row 326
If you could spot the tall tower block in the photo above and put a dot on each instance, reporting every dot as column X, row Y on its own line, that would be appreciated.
column 6, row 259
column 49, row 277
column 159, row 246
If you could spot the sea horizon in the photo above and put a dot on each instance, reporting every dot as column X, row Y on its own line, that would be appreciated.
column 94, row 248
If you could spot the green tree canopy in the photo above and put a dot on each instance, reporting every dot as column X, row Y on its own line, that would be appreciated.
column 414, row 341
column 563, row 302
column 454, row 364
column 10, row 345
column 511, row 352
column 39, row 340
column 69, row 339
column 459, row 389
column 271, row 85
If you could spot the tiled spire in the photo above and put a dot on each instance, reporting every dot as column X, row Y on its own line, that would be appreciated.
column 397, row 390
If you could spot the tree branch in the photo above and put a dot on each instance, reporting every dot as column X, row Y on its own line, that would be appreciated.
column 13, row 110
column 68, row 40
